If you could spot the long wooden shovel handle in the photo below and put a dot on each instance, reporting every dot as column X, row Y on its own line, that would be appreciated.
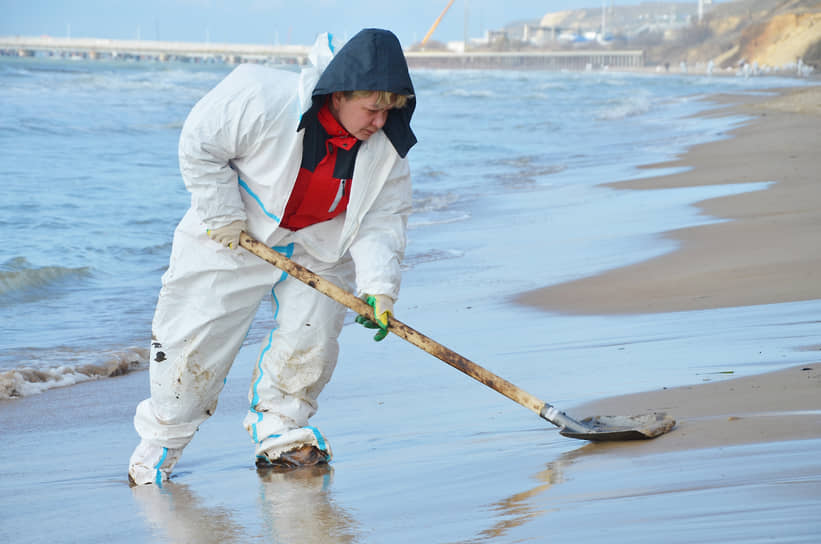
column 395, row 326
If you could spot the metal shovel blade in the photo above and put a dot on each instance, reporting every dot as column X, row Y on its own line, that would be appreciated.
column 612, row 428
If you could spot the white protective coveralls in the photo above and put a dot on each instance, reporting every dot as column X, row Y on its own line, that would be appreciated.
column 240, row 152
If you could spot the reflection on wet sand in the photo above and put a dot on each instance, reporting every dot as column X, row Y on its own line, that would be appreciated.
column 179, row 513
column 297, row 506
column 522, row 508
column 519, row 509
column 743, row 493
column 294, row 506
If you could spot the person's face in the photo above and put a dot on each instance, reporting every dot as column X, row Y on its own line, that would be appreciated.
column 359, row 115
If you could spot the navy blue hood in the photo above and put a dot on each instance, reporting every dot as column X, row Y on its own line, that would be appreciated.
column 371, row 61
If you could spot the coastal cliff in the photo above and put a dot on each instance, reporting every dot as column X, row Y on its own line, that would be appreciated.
column 767, row 33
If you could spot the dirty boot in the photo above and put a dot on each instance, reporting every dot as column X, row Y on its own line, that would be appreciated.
column 303, row 456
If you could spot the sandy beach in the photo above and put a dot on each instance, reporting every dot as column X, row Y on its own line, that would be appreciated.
column 421, row 454
column 768, row 251
column 772, row 407
column 767, row 248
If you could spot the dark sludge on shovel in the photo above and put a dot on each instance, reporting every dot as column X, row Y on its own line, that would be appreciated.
column 598, row 428
column 610, row 428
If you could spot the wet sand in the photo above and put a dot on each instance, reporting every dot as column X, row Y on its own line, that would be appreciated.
column 743, row 464
column 771, row 407
column 754, row 440
column 768, row 250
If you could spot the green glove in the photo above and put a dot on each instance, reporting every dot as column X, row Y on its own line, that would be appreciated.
column 382, row 310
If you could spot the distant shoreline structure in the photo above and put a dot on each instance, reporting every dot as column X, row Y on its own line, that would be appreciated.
column 222, row 53
column 149, row 50
column 297, row 55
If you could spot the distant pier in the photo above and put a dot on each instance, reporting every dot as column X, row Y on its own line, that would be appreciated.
column 147, row 50
column 98, row 49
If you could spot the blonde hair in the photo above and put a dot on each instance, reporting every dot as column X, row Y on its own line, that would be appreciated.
column 384, row 99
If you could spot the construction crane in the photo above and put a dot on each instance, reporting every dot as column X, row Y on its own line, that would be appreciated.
column 436, row 23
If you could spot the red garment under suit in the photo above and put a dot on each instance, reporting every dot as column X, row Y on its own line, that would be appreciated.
column 323, row 185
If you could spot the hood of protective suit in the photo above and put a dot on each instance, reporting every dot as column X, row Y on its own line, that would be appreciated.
column 371, row 61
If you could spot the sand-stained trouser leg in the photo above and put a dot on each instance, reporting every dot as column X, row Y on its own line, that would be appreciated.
column 296, row 361
column 209, row 297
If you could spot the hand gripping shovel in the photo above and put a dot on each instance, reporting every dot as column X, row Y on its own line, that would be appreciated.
column 598, row 428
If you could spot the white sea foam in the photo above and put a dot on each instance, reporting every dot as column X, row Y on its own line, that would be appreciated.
column 416, row 223
column 29, row 380
column 430, row 256
column 624, row 107
column 471, row 93
column 433, row 202
column 436, row 209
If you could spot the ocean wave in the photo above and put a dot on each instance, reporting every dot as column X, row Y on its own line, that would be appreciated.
column 434, row 255
column 20, row 281
column 455, row 217
column 625, row 107
column 433, row 202
column 114, row 76
column 470, row 93
column 525, row 171
column 25, row 381
column 435, row 209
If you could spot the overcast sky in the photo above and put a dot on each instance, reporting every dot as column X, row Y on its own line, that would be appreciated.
column 267, row 21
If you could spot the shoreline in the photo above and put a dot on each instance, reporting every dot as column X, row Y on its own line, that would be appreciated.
column 779, row 406
column 768, row 251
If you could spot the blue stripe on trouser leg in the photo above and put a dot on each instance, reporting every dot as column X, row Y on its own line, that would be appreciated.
column 298, row 360
column 288, row 251
column 158, row 477
column 320, row 440
column 255, row 396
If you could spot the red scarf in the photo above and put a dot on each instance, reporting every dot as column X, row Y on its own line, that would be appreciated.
column 319, row 196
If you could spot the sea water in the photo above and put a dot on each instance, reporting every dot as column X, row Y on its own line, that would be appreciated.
column 506, row 199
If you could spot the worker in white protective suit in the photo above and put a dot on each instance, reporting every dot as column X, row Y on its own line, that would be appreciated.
column 314, row 165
